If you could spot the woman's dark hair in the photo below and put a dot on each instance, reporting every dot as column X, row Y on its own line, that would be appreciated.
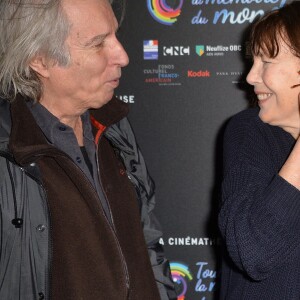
column 279, row 25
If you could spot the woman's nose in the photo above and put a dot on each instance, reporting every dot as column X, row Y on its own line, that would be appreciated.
column 254, row 75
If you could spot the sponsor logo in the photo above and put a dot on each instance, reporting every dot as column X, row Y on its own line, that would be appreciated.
column 199, row 73
column 151, row 50
column 237, row 77
column 181, row 275
column 229, row 73
column 199, row 50
column 218, row 50
column 162, row 12
column 176, row 51
column 231, row 48
column 162, row 75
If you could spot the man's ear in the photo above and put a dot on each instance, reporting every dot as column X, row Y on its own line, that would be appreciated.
column 40, row 65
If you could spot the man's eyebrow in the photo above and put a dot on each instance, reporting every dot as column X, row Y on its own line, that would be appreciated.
column 94, row 40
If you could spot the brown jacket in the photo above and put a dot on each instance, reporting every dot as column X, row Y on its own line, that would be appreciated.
column 90, row 259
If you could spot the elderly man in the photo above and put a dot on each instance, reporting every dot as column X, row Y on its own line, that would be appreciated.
column 75, row 196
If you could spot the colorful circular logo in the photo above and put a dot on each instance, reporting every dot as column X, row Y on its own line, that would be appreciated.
column 180, row 275
column 162, row 12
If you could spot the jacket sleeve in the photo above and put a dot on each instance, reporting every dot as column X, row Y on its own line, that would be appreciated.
column 259, row 217
column 122, row 136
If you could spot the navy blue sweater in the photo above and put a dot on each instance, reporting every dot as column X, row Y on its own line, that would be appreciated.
column 260, row 213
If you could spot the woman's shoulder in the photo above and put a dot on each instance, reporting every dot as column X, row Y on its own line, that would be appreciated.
column 247, row 137
column 248, row 123
column 244, row 117
column 243, row 123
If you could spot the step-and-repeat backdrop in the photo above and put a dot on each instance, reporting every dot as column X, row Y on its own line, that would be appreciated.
column 186, row 78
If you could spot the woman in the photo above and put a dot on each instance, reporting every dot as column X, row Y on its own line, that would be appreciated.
column 260, row 213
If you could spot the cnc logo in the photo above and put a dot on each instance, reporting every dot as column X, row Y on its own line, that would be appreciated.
column 161, row 11
column 180, row 274
column 176, row 51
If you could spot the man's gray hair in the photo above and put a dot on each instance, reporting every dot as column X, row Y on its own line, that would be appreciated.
column 29, row 28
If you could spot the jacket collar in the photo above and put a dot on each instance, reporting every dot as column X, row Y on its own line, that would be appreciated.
column 111, row 113
column 27, row 141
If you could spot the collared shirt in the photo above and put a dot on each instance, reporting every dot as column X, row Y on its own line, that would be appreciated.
column 63, row 137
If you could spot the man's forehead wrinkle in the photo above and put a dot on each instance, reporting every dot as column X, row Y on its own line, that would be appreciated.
column 83, row 34
column 95, row 39
column 82, row 39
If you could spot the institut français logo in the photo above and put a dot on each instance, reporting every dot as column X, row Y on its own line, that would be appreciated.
column 162, row 12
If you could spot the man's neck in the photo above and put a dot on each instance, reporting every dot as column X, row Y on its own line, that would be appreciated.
column 73, row 120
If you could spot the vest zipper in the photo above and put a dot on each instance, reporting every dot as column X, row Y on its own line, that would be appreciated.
column 125, row 268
